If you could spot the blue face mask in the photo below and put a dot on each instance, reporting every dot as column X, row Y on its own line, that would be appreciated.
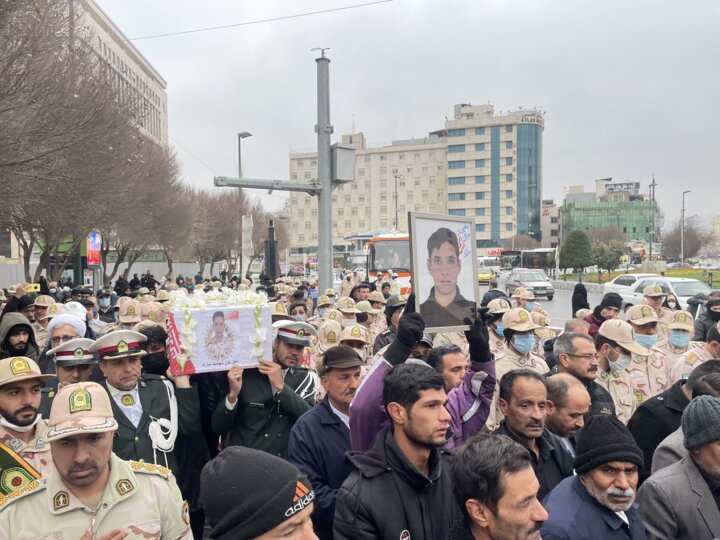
column 524, row 343
column 679, row 338
column 104, row 302
column 53, row 290
column 646, row 341
column 322, row 311
column 499, row 328
column 530, row 306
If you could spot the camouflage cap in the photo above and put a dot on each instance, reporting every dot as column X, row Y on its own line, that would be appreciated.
column 43, row 300
column 20, row 368
column 355, row 333
column 654, row 290
column 641, row 314
column 498, row 306
column 623, row 334
column 518, row 319
column 80, row 408
column 681, row 320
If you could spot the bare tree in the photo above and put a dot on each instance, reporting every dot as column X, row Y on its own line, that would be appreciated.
column 695, row 238
column 606, row 235
column 521, row 241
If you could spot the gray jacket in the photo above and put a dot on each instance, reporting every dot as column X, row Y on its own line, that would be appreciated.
column 676, row 504
column 669, row 451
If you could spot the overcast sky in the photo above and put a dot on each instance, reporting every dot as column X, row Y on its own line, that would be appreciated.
column 631, row 89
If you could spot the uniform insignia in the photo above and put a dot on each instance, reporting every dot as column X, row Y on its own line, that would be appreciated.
column 131, row 310
column 639, row 396
column 80, row 401
column 150, row 469
column 152, row 316
column 122, row 347
column 40, row 443
column 504, row 304
column 61, row 500
column 14, row 495
column 332, row 337
column 15, row 444
column 15, row 478
column 79, row 353
column 522, row 315
column 186, row 512
column 645, row 311
column 51, row 394
column 355, row 331
column 20, row 365
column 128, row 400
column 301, row 333
column 691, row 358
column 124, row 486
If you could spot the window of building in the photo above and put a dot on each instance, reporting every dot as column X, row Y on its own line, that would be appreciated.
column 508, row 144
column 479, row 227
column 347, row 225
column 383, row 197
column 508, row 210
column 508, row 194
column 354, row 212
column 456, row 132
column 479, row 162
column 553, row 220
column 341, row 211
column 367, row 159
column 362, row 223
column 313, row 212
column 293, row 176
column 424, row 169
column 306, row 176
column 382, row 157
column 456, row 211
column 431, row 154
column 402, row 157
column 409, row 195
column 383, row 223
column 301, row 213
column 508, row 129
column 308, row 226
column 416, row 155
column 347, row 198
column 456, row 180
column 440, row 166
column 424, row 194
column 508, row 227
column 300, row 164
column 455, row 196
column 409, row 169
column 554, row 232
column 383, row 209
column 508, row 177
column 479, row 179
column 479, row 211
column 383, row 171
column 456, row 164
column 480, row 131
column 433, row 207
column 508, row 161
column 313, row 163
column 361, row 172
column 480, row 195
column 361, row 198
column 455, row 148
column 479, row 146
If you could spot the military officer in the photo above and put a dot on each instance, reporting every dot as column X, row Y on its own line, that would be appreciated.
column 693, row 358
column 73, row 364
column 377, row 301
column 92, row 493
column 654, row 296
column 496, row 309
column 263, row 403
column 149, row 409
column 393, row 312
column 24, row 452
column 648, row 372
column 42, row 303
column 328, row 335
column 679, row 341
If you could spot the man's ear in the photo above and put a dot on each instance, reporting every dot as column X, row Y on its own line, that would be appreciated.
column 562, row 359
column 397, row 413
column 550, row 406
column 503, row 406
column 478, row 512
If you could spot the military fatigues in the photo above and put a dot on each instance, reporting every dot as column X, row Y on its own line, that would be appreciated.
column 665, row 317
column 453, row 338
column 505, row 362
column 132, row 442
column 497, row 342
column 619, row 384
column 36, row 453
column 648, row 376
column 672, row 354
column 41, row 335
column 262, row 418
column 140, row 498
column 684, row 365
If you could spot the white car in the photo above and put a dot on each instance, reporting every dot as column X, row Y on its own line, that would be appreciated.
column 625, row 281
column 682, row 288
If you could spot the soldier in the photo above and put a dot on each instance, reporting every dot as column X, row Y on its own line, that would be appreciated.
column 346, row 306
column 328, row 335
column 323, row 305
column 393, row 312
column 648, row 373
column 356, row 337
column 378, row 302
column 263, row 403
column 693, row 358
column 679, row 341
column 654, row 296
column 92, row 493
column 496, row 309
column 366, row 318
column 24, row 453
column 150, row 410
column 73, row 364
column 331, row 294
column 456, row 338
column 518, row 330
column 41, row 303
column 615, row 343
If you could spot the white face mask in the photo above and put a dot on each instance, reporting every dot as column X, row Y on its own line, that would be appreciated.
column 348, row 322
column 362, row 353
column 20, row 429
column 623, row 362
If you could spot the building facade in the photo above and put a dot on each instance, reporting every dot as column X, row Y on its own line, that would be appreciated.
column 550, row 224
column 133, row 77
column 413, row 169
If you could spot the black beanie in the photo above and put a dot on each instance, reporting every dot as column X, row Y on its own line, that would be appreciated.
column 604, row 439
column 611, row 299
column 246, row 493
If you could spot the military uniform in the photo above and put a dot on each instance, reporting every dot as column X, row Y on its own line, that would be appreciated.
column 453, row 338
column 41, row 335
column 684, row 365
column 648, row 375
column 619, row 384
column 384, row 339
column 140, row 498
column 36, row 454
column 497, row 342
column 261, row 417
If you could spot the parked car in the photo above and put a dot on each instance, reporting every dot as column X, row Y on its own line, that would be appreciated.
column 485, row 275
column 682, row 288
column 624, row 281
column 536, row 280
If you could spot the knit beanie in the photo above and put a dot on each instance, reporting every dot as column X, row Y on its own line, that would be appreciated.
column 611, row 299
column 604, row 439
column 701, row 422
column 246, row 493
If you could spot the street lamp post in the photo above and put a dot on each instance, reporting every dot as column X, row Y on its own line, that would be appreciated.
column 242, row 135
column 397, row 222
column 682, row 228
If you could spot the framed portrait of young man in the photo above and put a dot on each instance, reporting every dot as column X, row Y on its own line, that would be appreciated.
column 444, row 270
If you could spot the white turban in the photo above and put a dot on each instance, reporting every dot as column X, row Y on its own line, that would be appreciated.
column 63, row 319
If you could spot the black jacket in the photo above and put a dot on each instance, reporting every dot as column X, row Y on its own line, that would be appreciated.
column 702, row 325
column 387, row 497
column 655, row 419
column 579, row 299
column 491, row 295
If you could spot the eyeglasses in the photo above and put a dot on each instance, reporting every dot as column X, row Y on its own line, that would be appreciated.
column 587, row 357
column 58, row 339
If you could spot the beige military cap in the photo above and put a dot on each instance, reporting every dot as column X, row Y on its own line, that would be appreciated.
column 540, row 319
column 328, row 335
column 654, row 290
column 356, row 333
column 333, row 315
column 365, row 307
column 527, row 294
column 44, row 300
column 499, row 305
column 20, row 368
column 623, row 334
column 330, row 293
column 163, row 296
column 347, row 305
column 641, row 315
column 681, row 320
column 80, row 408
column 52, row 310
column 518, row 319
column 377, row 296
column 324, row 300
column 278, row 312
column 154, row 312
column 130, row 312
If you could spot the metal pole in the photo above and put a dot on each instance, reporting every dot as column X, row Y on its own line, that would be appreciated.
column 324, row 130
column 682, row 228
column 397, row 223
column 652, row 216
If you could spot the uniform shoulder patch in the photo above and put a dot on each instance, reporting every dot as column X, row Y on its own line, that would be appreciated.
column 149, row 468
column 33, row 487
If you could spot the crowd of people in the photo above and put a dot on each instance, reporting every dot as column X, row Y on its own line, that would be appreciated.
column 362, row 424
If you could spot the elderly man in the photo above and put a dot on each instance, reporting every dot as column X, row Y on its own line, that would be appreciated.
column 90, row 492
column 523, row 401
column 679, row 502
column 73, row 364
column 569, row 404
column 321, row 436
column 598, row 503
column 497, row 491
column 576, row 355
column 263, row 404
column 22, row 430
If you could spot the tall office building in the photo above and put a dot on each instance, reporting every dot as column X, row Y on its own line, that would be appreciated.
column 495, row 171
